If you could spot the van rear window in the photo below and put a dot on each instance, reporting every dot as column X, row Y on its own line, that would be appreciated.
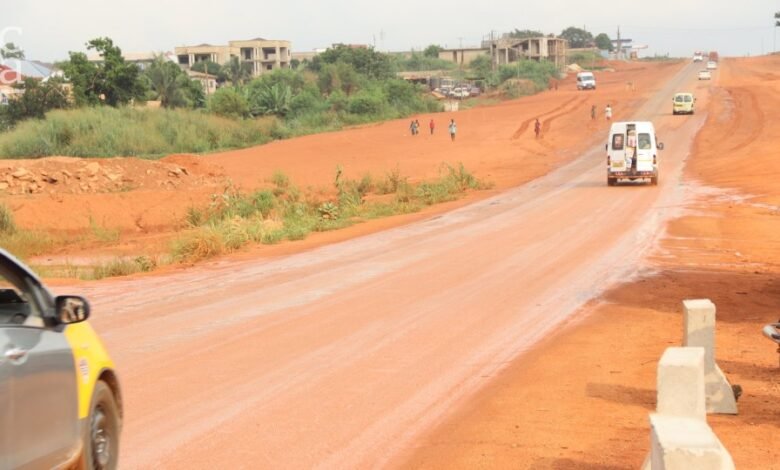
column 617, row 142
column 644, row 141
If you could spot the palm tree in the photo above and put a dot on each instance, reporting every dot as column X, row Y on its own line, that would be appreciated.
column 238, row 71
column 272, row 99
column 165, row 79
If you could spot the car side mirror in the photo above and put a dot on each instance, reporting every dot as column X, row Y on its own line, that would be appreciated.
column 660, row 145
column 606, row 146
column 71, row 309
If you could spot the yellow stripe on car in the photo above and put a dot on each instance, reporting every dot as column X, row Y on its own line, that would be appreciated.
column 90, row 358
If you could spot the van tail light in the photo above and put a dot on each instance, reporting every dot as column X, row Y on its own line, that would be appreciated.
column 608, row 160
column 654, row 160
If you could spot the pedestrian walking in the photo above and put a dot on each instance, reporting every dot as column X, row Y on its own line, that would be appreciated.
column 411, row 127
column 608, row 112
column 537, row 128
column 593, row 113
column 453, row 129
column 416, row 126
column 432, row 126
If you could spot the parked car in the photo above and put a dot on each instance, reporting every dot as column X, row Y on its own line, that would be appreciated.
column 460, row 93
column 683, row 103
column 475, row 91
column 705, row 75
column 712, row 65
column 61, row 404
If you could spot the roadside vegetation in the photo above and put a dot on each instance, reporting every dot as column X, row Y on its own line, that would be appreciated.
column 98, row 109
column 235, row 219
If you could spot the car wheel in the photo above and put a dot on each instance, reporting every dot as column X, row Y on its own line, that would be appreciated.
column 611, row 182
column 101, row 442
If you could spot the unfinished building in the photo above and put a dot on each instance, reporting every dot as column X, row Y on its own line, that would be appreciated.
column 507, row 50
column 260, row 54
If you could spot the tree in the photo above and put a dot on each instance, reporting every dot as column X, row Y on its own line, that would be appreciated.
column 272, row 99
column 577, row 37
column 365, row 60
column 339, row 76
column 172, row 86
column 603, row 42
column 11, row 51
column 238, row 72
column 211, row 68
column 113, row 81
column 432, row 51
column 39, row 97
column 525, row 33
column 481, row 66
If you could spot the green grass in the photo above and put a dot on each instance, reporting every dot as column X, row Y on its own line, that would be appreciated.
column 108, row 132
column 234, row 219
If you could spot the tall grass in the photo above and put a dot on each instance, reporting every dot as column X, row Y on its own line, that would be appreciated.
column 105, row 132
column 234, row 219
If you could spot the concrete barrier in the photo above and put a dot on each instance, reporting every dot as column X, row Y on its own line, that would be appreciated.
column 678, row 443
column 699, row 331
column 680, row 436
column 680, row 383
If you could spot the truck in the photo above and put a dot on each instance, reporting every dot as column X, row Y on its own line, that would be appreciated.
column 632, row 152
column 698, row 56
column 713, row 56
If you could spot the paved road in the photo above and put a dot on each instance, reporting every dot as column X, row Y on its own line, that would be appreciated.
column 339, row 357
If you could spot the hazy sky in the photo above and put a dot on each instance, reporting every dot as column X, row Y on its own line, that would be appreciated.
column 51, row 28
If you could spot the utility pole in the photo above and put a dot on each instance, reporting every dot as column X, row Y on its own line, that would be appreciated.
column 493, row 50
column 774, row 31
column 460, row 38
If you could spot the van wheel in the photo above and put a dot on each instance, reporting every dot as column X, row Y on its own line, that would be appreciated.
column 611, row 182
column 101, row 439
column 654, row 181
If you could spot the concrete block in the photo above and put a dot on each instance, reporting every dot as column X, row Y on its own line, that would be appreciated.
column 699, row 331
column 685, row 443
column 680, row 383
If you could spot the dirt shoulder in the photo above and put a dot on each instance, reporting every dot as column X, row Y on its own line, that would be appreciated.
column 147, row 202
column 581, row 399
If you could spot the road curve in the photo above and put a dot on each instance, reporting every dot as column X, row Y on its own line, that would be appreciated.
column 339, row 357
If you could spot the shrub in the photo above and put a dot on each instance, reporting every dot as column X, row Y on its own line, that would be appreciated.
column 228, row 102
column 366, row 103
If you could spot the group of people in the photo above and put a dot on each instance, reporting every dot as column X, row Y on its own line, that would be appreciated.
column 414, row 127
column 607, row 112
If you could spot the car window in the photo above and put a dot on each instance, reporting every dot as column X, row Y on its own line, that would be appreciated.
column 16, row 307
column 679, row 99
column 688, row 99
column 644, row 141
column 617, row 142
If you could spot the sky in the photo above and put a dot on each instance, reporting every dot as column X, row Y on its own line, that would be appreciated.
column 48, row 29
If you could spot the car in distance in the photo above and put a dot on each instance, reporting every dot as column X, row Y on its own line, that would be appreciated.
column 698, row 56
column 705, row 75
column 61, row 403
column 632, row 152
column 683, row 103
column 712, row 65
column 586, row 81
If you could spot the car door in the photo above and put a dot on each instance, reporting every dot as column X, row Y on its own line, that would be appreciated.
column 5, row 402
column 44, row 425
